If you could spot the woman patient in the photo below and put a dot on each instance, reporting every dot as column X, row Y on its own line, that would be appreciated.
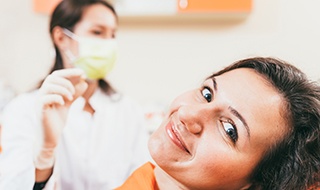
column 252, row 125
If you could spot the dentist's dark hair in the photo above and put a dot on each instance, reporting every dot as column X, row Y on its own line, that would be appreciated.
column 294, row 161
column 66, row 15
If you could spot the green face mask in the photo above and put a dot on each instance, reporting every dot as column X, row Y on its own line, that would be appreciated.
column 95, row 56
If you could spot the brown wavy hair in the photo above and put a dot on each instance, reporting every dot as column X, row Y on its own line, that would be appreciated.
column 294, row 161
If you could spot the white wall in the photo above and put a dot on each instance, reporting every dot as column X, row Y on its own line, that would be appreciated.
column 160, row 60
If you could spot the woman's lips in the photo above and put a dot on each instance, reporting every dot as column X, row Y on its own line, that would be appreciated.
column 174, row 136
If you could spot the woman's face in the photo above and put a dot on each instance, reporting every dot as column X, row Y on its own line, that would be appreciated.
column 97, row 21
column 213, row 137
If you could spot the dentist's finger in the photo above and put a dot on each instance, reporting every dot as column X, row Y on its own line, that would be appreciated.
column 51, row 79
column 81, row 87
column 50, row 100
column 71, row 72
column 57, row 89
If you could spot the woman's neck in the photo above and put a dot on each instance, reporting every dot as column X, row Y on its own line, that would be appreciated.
column 92, row 86
column 165, row 181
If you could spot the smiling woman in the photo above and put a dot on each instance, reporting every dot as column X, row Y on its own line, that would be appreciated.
column 252, row 125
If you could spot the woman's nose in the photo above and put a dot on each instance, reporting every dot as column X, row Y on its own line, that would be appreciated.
column 193, row 117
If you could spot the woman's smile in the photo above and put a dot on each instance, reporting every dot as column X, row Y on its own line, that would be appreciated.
column 175, row 136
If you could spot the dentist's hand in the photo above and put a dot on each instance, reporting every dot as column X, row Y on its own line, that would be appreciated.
column 57, row 93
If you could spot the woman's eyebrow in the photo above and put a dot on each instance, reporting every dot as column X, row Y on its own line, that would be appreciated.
column 233, row 111
column 241, row 118
column 214, row 84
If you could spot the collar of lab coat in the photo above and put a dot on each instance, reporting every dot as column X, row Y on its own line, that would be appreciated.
column 98, row 100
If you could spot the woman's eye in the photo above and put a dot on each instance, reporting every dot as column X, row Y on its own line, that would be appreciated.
column 231, row 131
column 97, row 32
column 207, row 94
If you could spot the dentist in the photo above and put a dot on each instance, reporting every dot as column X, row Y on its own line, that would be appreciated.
column 75, row 131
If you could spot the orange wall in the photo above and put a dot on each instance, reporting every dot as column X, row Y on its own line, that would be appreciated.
column 45, row 6
column 216, row 6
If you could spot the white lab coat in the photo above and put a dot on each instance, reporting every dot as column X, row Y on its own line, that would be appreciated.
column 95, row 152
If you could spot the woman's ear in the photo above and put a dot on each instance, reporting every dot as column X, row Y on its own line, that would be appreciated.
column 59, row 38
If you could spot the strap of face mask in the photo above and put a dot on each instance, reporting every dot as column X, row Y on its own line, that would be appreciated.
column 70, row 34
column 67, row 52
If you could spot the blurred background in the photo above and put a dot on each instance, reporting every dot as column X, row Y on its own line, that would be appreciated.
column 165, row 51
